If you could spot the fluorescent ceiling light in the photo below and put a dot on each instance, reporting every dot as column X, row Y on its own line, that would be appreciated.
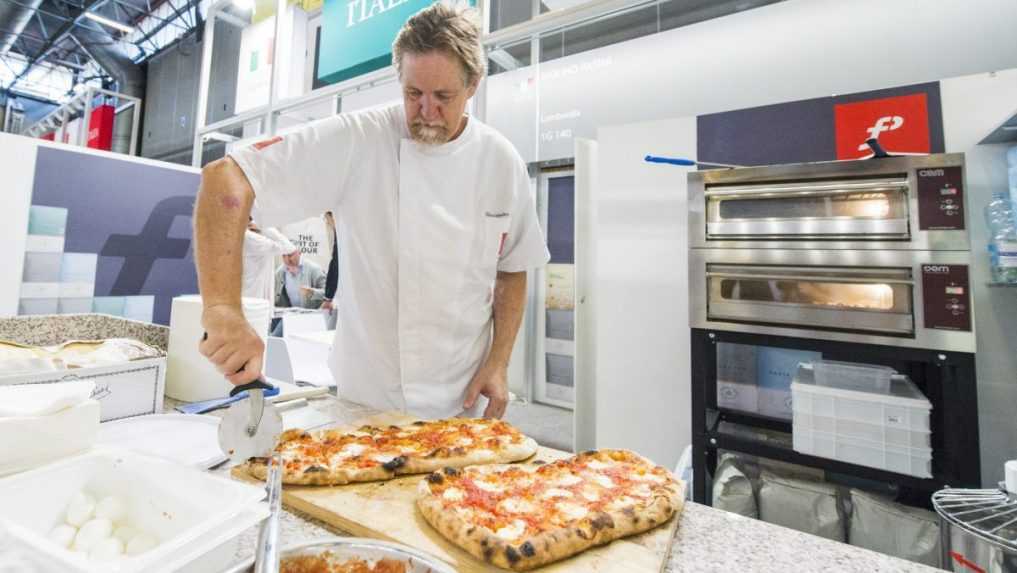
column 107, row 22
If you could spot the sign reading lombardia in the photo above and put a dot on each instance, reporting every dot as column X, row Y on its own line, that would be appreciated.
column 357, row 35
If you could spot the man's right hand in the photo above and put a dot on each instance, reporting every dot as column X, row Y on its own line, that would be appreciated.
column 231, row 344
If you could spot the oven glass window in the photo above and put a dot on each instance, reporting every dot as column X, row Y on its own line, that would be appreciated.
column 868, row 296
column 876, row 205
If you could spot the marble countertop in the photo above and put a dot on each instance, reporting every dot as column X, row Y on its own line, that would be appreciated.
column 707, row 540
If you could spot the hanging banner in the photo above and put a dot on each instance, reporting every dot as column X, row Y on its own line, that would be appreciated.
column 357, row 35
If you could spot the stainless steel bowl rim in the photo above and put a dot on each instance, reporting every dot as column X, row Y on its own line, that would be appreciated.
column 353, row 543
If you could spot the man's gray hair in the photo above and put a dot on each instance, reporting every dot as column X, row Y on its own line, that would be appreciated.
column 445, row 28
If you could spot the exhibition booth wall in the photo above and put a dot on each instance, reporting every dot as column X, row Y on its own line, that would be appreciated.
column 89, row 231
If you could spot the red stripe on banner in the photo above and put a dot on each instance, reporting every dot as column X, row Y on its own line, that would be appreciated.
column 963, row 561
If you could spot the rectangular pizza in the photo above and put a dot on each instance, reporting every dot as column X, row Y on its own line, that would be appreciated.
column 524, row 516
column 370, row 453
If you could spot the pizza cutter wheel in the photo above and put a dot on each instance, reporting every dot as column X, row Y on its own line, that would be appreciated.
column 251, row 427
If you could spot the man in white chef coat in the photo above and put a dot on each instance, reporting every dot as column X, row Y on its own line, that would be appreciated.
column 438, row 227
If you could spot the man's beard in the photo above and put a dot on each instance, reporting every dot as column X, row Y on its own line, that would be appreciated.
column 429, row 134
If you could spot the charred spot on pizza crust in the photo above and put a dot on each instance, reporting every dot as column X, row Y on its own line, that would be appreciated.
column 527, row 549
column 258, row 461
column 582, row 533
column 420, row 423
column 512, row 555
column 450, row 471
column 395, row 463
column 589, row 453
column 435, row 478
column 488, row 552
column 458, row 451
column 315, row 469
column 629, row 512
column 602, row 520
column 538, row 462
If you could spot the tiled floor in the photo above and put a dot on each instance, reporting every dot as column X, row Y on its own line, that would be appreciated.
column 549, row 425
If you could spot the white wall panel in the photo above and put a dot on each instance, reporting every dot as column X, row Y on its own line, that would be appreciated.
column 17, row 164
column 787, row 51
column 643, row 396
column 973, row 106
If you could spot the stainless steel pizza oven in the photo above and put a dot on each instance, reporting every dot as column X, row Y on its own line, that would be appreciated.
column 873, row 251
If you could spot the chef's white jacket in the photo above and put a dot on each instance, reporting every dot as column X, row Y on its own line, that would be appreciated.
column 424, row 231
column 260, row 250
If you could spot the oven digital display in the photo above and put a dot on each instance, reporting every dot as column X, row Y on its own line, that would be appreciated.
column 947, row 306
column 940, row 199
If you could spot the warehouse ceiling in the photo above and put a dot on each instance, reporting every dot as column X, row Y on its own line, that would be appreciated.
column 89, row 37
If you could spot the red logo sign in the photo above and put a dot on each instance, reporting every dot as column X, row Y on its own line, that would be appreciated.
column 263, row 144
column 901, row 124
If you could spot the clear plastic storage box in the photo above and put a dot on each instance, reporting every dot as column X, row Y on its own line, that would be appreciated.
column 887, row 431
column 852, row 376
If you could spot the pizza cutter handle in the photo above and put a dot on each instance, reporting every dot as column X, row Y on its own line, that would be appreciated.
column 258, row 384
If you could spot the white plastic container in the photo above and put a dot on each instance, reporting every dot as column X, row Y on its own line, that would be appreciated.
column 190, row 377
column 853, row 376
column 887, row 431
column 123, row 390
column 190, row 512
column 30, row 441
column 910, row 461
column 904, row 407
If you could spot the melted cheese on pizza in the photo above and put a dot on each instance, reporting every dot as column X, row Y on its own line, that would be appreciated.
column 514, row 502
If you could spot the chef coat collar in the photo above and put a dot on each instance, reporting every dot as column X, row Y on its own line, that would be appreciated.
column 444, row 149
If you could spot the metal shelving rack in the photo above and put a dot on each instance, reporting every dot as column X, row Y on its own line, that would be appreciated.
column 946, row 378
column 81, row 106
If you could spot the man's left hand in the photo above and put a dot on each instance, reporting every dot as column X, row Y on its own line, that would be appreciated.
column 492, row 382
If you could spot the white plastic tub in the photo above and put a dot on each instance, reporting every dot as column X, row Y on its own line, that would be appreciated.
column 910, row 461
column 879, row 433
column 904, row 407
column 189, row 511
column 31, row 441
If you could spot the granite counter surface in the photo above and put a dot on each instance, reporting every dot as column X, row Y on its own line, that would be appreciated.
column 708, row 540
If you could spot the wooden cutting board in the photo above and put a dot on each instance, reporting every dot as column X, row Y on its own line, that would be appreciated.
column 388, row 511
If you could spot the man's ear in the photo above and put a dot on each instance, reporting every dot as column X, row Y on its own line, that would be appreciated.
column 471, row 89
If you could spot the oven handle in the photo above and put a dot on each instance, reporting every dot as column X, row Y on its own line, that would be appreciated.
column 809, row 190
column 811, row 278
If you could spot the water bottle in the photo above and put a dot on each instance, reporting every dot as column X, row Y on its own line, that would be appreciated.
column 1002, row 239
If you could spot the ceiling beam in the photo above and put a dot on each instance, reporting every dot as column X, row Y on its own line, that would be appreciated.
column 38, row 10
column 61, row 33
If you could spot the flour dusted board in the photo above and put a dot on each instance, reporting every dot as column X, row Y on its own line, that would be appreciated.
column 387, row 510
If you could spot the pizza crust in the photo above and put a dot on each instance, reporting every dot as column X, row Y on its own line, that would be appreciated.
column 528, row 552
column 401, row 465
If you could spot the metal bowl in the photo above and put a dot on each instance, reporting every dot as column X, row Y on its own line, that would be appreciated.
column 367, row 549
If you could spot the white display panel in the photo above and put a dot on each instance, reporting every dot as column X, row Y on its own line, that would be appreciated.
column 17, row 163
column 757, row 57
column 643, row 394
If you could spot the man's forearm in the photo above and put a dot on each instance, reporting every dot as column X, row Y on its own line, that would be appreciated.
column 509, row 303
column 220, row 218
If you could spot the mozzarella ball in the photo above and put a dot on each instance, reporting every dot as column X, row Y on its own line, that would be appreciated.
column 92, row 532
column 106, row 549
column 63, row 535
column 140, row 543
column 112, row 508
column 125, row 533
column 81, row 509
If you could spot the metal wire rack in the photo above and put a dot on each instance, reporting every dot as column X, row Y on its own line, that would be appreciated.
column 988, row 513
